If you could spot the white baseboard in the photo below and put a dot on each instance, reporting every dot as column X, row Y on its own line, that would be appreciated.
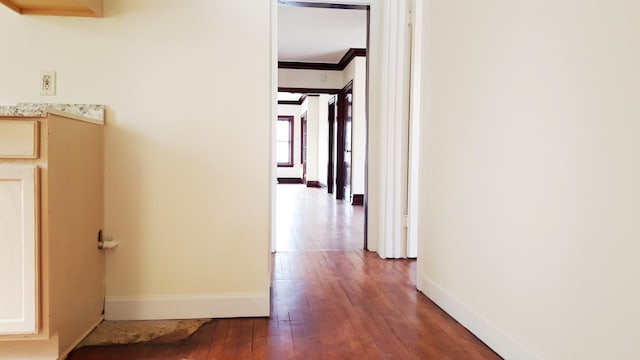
column 501, row 343
column 186, row 307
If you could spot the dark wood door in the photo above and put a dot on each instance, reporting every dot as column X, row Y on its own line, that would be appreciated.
column 343, row 143
column 303, row 146
column 347, row 145
column 332, row 140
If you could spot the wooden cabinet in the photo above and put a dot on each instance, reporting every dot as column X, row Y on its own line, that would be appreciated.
column 85, row 8
column 51, row 210
column 18, row 229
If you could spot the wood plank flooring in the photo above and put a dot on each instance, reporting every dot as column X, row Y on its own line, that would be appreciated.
column 330, row 300
column 310, row 219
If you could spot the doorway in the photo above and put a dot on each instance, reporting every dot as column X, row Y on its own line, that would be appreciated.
column 330, row 165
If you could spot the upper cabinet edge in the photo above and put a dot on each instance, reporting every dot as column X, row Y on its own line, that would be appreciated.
column 89, row 8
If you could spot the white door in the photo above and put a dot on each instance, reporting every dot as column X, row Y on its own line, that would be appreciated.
column 18, row 273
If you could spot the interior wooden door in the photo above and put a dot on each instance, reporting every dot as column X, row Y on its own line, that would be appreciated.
column 18, row 236
column 303, row 146
column 343, row 143
column 332, row 140
column 347, row 143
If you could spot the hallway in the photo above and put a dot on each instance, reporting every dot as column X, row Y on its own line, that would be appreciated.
column 330, row 300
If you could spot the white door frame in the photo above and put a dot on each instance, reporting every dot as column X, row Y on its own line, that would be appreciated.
column 393, row 132
column 417, row 9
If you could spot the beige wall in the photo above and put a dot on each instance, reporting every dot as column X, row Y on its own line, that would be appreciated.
column 530, row 200
column 314, row 79
column 165, row 69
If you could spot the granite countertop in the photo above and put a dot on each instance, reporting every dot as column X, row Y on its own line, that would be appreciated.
column 86, row 112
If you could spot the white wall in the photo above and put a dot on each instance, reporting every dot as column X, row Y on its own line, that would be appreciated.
column 296, row 170
column 313, row 79
column 530, row 195
column 323, row 138
column 176, row 142
column 312, row 107
column 357, row 71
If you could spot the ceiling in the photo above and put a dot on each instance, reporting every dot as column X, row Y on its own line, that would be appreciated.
column 287, row 96
column 307, row 34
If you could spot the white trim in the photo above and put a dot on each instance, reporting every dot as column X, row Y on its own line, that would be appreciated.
column 415, row 119
column 186, row 307
column 496, row 339
column 272, row 136
column 394, row 137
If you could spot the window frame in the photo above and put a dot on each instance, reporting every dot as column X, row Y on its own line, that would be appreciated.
column 290, row 119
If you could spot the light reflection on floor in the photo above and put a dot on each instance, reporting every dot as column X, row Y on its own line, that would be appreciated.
column 310, row 219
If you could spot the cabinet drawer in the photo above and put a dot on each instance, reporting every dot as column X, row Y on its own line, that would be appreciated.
column 19, row 139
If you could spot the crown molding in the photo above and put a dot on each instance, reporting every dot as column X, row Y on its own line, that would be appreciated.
column 293, row 102
column 341, row 65
column 309, row 91
column 322, row 5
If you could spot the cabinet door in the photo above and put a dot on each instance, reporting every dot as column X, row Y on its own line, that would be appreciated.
column 18, row 273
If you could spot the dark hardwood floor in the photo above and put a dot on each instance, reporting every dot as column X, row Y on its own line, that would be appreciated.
column 330, row 300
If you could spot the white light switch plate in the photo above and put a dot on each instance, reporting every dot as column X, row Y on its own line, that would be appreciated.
column 48, row 83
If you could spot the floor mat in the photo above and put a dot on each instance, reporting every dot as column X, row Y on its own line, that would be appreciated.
column 128, row 332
